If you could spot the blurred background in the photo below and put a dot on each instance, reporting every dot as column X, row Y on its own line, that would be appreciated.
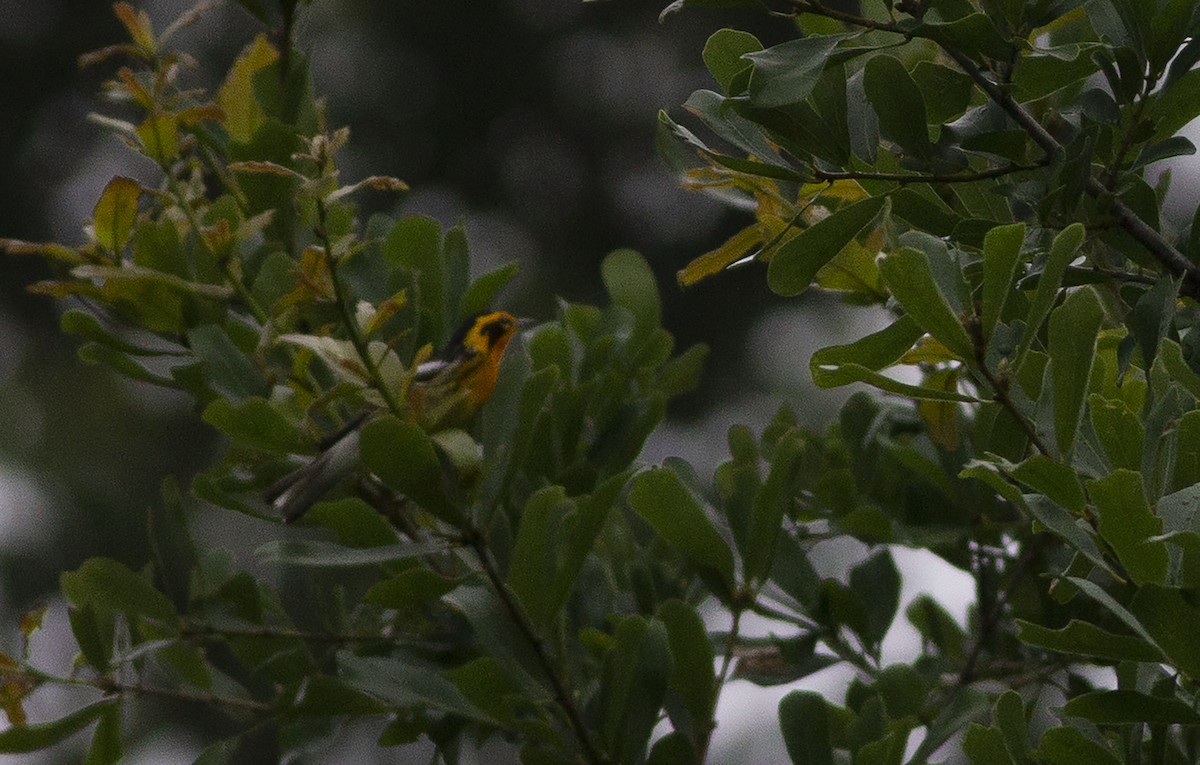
column 532, row 121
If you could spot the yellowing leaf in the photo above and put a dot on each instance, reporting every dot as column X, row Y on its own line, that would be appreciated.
column 159, row 135
column 115, row 213
column 713, row 262
column 138, row 25
column 928, row 351
column 236, row 97
column 941, row 417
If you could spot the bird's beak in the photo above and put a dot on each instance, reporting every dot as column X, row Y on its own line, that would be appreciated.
column 525, row 322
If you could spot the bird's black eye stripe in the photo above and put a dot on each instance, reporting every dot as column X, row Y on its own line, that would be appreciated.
column 494, row 330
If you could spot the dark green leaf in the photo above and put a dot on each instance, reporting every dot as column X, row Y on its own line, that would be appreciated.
column 227, row 370
column 787, row 73
column 692, row 675
column 1119, row 431
column 661, row 498
column 254, row 422
column 985, row 746
column 899, row 105
column 536, row 574
column 1120, row 707
column 1171, row 617
column 946, row 91
column 1009, row 716
column 636, row 671
column 106, row 741
column 404, row 684
column 1062, row 252
column 1069, row 746
column 1086, row 639
column 879, row 580
column 804, row 720
column 418, row 474
column 415, row 242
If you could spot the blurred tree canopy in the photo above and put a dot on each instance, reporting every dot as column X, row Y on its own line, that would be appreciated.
column 979, row 171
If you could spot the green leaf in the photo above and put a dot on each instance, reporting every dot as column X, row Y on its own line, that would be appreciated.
column 30, row 738
column 899, row 105
column 1069, row 746
column 227, row 370
column 973, row 33
column 254, row 422
column 409, row 588
column 630, row 284
column 936, row 626
column 94, row 632
column 873, row 352
column 482, row 292
column 1053, row 479
column 902, row 690
column 353, row 522
column 795, row 264
column 946, row 91
column 723, row 54
column 535, row 574
column 774, row 498
column 1086, row 639
column 1072, row 345
column 106, row 741
column 1045, row 70
column 415, row 243
column 1120, row 707
column 1098, row 594
column 403, row 457
column 908, row 275
column 635, row 677
column 804, row 721
column 401, row 683
column 159, row 134
column 324, row 696
column 1001, row 253
column 693, row 678
column 87, row 326
column 108, row 585
column 1150, row 319
column 663, row 501
column 1062, row 251
column 878, row 579
column 1067, row 527
column 985, row 746
column 300, row 552
column 787, row 73
column 1009, row 716
column 1170, row 616
column 1127, row 523
column 1119, row 431
column 115, row 212
column 966, row 705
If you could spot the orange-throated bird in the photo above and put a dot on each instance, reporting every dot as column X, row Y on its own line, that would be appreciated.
column 445, row 392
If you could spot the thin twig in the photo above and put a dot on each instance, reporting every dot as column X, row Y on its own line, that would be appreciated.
column 561, row 695
column 907, row 178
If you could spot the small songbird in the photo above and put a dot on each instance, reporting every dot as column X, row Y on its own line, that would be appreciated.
column 445, row 392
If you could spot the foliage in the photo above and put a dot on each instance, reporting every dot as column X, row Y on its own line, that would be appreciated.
column 978, row 167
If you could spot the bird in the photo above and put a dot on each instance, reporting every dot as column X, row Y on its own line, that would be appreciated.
column 445, row 392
